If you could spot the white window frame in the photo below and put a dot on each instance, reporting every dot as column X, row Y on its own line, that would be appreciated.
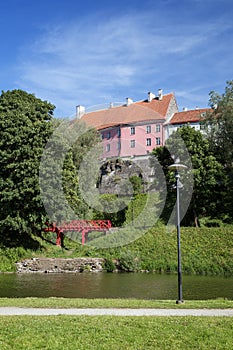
column 132, row 143
column 132, row 130
column 157, row 128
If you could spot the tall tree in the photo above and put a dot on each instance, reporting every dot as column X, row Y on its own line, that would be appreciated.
column 220, row 124
column 25, row 125
column 66, row 151
column 219, row 128
column 206, row 171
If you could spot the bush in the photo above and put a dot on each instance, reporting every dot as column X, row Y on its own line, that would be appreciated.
column 209, row 222
column 9, row 256
column 109, row 265
column 129, row 262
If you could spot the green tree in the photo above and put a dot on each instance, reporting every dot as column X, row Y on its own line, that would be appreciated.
column 87, row 141
column 136, row 182
column 142, row 210
column 115, row 209
column 206, row 171
column 220, row 125
column 59, row 175
column 219, row 129
column 25, row 125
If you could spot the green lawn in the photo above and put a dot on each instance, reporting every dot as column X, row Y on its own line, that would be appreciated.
column 108, row 303
column 114, row 332
column 109, row 332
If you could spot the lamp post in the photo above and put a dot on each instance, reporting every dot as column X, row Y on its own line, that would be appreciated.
column 176, row 167
column 132, row 208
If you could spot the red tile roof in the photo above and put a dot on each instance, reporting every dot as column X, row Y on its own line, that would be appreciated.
column 134, row 113
column 189, row 116
column 160, row 106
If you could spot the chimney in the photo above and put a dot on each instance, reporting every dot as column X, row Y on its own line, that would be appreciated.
column 129, row 101
column 160, row 96
column 150, row 96
column 111, row 105
column 185, row 109
column 80, row 111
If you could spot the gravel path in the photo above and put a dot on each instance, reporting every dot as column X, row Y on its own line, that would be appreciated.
column 9, row 311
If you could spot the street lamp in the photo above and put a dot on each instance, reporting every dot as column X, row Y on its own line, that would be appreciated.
column 176, row 167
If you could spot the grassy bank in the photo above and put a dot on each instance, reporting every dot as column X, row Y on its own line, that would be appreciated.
column 109, row 332
column 114, row 303
column 204, row 251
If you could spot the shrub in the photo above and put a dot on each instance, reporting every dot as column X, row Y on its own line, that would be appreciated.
column 109, row 265
column 129, row 262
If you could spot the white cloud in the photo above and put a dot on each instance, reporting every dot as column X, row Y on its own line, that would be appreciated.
column 79, row 63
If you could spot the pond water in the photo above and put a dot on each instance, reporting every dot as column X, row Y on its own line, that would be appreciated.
column 113, row 285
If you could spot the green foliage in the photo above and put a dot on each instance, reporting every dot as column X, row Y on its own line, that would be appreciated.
column 205, row 251
column 136, row 182
column 129, row 261
column 25, row 124
column 109, row 265
column 9, row 256
column 209, row 222
column 207, row 173
column 219, row 127
column 60, row 177
column 38, row 167
column 110, row 208
column 71, row 188
column 87, row 141
column 143, row 210
column 220, row 124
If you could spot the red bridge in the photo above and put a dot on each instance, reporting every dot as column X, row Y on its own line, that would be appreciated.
column 83, row 226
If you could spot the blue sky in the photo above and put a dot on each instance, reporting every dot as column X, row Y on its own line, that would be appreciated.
column 91, row 52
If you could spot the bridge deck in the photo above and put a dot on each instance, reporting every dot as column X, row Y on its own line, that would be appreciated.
column 83, row 226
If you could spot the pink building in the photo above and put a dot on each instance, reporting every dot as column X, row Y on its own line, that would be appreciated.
column 132, row 129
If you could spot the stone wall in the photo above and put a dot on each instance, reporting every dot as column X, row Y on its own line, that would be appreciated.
column 57, row 265
column 114, row 172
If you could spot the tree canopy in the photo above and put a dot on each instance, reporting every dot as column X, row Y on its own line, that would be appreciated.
column 25, row 125
column 219, row 128
column 38, row 166
column 206, row 171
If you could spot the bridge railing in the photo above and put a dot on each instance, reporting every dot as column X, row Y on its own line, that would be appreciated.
column 83, row 226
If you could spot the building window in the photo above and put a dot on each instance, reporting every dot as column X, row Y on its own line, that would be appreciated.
column 148, row 142
column 108, row 147
column 202, row 127
column 148, row 129
column 132, row 143
column 132, row 130
column 108, row 135
column 118, row 145
column 118, row 132
column 158, row 142
column 157, row 127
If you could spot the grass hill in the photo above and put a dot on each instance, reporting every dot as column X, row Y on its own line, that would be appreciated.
column 204, row 251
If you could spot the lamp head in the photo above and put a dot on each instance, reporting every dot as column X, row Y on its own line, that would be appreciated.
column 177, row 166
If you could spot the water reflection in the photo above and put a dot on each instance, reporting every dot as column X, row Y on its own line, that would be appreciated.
column 113, row 285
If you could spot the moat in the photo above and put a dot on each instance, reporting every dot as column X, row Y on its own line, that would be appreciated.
column 113, row 285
